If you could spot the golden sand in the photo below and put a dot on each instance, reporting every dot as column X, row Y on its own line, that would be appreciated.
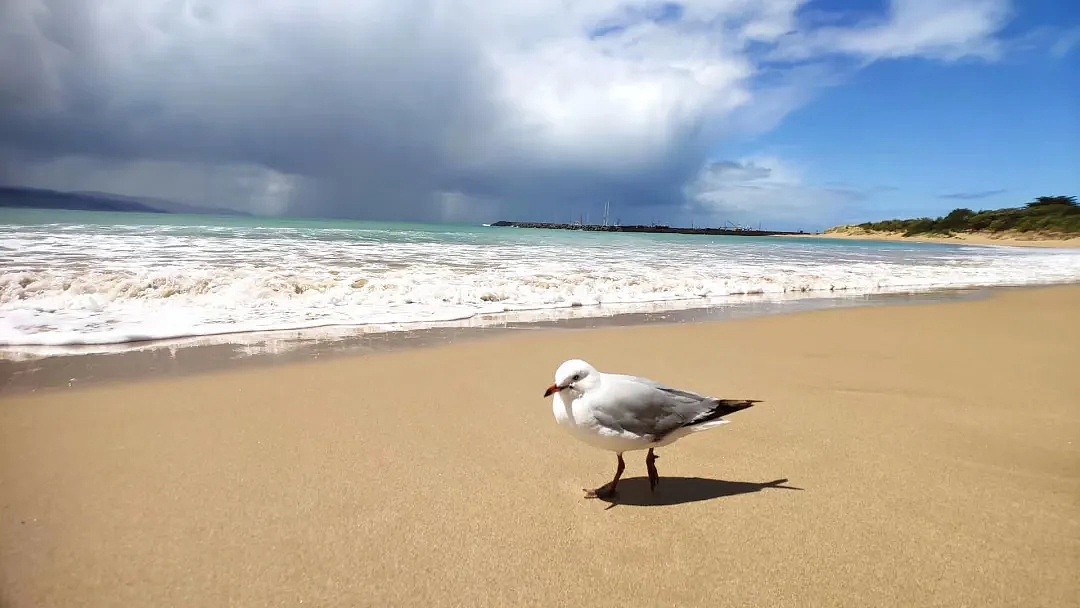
column 936, row 448
column 1008, row 239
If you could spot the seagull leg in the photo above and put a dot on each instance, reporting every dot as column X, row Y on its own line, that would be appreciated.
column 608, row 490
column 654, row 477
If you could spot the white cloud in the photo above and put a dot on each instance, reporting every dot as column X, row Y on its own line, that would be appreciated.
column 912, row 28
column 374, row 108
column 765, row 189
column 1066, row 42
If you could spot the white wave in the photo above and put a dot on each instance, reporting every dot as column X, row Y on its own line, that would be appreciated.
column 108, row 285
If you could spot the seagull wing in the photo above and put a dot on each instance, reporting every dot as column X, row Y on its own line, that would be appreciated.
column 646, row 408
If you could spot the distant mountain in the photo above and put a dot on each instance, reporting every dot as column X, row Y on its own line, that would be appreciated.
column 164, row 205
column 37, row 198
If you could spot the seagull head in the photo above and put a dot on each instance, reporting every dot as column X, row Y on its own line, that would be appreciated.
column 575, row 375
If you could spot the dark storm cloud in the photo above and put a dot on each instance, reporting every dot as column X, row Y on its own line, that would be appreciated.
column 390, row 109
column 372, row 109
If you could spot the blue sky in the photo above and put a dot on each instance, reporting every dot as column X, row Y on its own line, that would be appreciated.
column 788, row 113
column 922, row 137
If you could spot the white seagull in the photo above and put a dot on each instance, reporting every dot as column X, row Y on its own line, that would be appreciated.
column 623, row 413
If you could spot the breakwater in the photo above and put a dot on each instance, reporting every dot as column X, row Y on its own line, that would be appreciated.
column 644, row 228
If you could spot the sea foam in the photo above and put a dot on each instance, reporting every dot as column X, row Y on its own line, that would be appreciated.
column 66, row 284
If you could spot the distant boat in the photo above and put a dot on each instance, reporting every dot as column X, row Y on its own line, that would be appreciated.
column 488, row 225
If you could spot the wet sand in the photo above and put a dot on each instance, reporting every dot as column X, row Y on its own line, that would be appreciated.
column 29, row 369
column 935, row 450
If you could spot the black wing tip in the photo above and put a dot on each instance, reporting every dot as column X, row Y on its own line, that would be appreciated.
column 736, row 404
column 723, row 408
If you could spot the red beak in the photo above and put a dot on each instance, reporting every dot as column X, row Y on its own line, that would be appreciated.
column 551, row 390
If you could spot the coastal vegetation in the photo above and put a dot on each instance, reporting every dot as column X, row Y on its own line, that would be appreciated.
column 1046, row 215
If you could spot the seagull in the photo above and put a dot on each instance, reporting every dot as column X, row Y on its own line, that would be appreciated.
column 623, row 413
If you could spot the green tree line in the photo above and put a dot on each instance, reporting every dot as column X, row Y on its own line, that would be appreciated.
column 1046, row 214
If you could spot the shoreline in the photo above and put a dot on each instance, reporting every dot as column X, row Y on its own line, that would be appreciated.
column 1010, row 240
column 900, row 456
column 178, row 358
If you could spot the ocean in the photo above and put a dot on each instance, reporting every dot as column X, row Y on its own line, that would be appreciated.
column 72, row 278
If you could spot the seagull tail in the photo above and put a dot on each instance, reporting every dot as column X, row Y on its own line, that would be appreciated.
column 722, row 408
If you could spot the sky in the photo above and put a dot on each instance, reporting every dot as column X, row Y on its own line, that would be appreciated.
column 788, row 114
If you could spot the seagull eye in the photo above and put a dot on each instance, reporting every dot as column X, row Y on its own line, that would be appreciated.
column 576, row 377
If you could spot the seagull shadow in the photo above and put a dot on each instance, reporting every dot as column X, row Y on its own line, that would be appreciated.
column 680, row 490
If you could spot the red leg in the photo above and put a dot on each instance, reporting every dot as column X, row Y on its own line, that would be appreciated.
column 654, row 477
column 608, row 490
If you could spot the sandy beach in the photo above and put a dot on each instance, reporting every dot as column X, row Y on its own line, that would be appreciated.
column 1012, row 239
column 914, row 455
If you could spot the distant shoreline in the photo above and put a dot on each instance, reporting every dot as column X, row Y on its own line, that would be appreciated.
column 1002, row 239
column 645, row 229
column 15, row 197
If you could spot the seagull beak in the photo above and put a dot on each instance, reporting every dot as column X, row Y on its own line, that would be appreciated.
column 554, row 388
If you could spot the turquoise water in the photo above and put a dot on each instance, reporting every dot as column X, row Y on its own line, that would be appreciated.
column 71, row 277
